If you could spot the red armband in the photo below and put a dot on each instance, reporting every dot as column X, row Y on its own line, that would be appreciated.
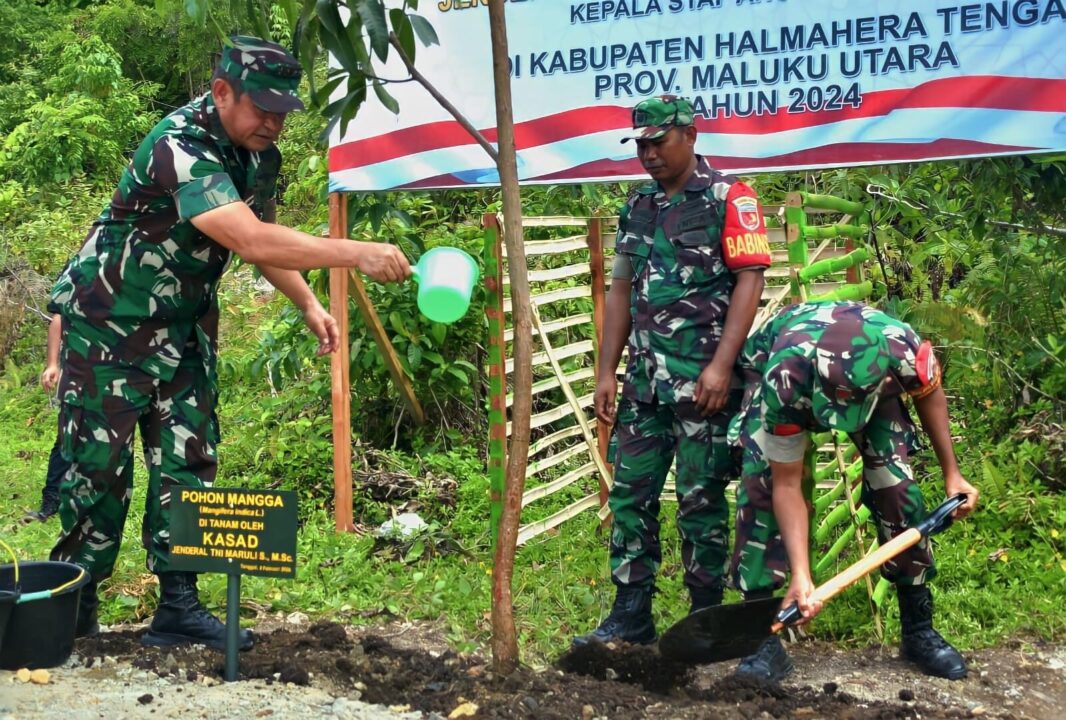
column 928, row 370
column 744, row 240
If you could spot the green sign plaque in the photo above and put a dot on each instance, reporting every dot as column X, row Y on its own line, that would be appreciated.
column 235, row 531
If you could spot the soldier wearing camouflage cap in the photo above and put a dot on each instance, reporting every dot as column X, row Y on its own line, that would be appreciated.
column 140, row 317
column 687, row 277
column 845, row 367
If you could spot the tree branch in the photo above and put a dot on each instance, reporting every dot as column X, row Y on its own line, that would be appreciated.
column 443, row 101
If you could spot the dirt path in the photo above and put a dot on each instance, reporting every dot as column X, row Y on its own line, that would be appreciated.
column 326, row 670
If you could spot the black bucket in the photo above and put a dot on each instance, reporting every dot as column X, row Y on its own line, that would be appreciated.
column 40, row 633
column 8, row 598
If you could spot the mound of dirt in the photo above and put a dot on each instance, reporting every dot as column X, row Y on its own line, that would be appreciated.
column 595, row 682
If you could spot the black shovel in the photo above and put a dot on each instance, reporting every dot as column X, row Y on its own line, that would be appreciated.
column 725, row 632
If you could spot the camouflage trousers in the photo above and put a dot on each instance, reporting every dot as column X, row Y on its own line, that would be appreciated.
column 889, row 490
column 102, row 401
column 650, row 436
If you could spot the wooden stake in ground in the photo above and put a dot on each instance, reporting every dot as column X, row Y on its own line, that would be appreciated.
column 504, row 639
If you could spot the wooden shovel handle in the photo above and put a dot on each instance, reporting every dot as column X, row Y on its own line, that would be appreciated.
column 840, row 582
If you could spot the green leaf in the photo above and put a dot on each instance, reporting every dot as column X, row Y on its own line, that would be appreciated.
column 334, row 37
column 396, row 320
column 424, row 30
column 322, row 94
column 415, row 553
column 355, row 99
column 291, row 8
column 387, row 100
column 377, row 215
column 329, row 15
column 259, row 16
column 458, row 373
column 402, row 217
column 414, row 355
column 438, row 331
column 197, row 11
column 404, row 33
column 355, row 36
column 373, row 14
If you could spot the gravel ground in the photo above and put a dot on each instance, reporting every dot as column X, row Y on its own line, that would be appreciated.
column 118, row 691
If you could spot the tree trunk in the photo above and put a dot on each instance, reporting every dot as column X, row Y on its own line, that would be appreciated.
column 504, row 639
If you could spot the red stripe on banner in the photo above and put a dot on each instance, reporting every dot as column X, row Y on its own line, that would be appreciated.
column 978, row 91
column 989, row 92
column 827, row 155
column 447, row 133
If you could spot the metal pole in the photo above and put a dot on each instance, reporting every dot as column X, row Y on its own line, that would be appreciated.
column 233, row 624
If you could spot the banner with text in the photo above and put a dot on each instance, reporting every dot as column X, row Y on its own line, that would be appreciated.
column 777, row 84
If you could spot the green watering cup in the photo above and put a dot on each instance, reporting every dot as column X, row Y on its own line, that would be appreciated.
column 446, row 278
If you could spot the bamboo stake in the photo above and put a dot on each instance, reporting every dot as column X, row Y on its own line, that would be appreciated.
column 339, row 366
column 842, row 466
column 571, row 398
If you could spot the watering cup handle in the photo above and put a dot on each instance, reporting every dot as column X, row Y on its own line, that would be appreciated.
column 415, row 274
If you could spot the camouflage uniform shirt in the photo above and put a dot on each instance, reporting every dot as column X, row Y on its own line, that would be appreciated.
column 143, row 286
column 683, row 252
column 785, row 359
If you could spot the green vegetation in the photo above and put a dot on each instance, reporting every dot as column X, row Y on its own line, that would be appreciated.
column 79, row 85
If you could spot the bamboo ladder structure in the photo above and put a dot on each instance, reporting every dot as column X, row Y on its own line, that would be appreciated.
column 567, row 471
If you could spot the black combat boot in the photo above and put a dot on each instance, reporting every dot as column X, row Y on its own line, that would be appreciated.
column 704, row 597
column 49, row 507
column 180, row 618
column 87, row 625
column 770, row 663
column 922, row 645
column 630, row 619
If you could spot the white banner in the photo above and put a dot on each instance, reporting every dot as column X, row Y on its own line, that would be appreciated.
column 777, row 84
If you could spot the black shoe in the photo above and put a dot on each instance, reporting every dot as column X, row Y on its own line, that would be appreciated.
column 922, row 645
column 87, row 625
column 704, row 597
column 770, row 663
column 49, row 507
column 180, row 618
column 630, row 619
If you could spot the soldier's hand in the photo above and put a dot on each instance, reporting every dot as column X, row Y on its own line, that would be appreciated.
column 50, row 378
column 712, row 389
column 955, row 484
column 799, row 592
column 605, row 398
column 383, row 262
column 325, row 328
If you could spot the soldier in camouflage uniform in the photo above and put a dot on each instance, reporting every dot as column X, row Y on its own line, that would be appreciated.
column 845, row 367
column 687, row 278
column 140, row 318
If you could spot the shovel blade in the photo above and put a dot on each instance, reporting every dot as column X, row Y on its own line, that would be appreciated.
column 722, row 632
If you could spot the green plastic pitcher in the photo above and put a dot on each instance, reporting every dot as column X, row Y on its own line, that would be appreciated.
column 446, row 278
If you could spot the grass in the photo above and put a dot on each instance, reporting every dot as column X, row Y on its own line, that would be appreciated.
column 1002, row 574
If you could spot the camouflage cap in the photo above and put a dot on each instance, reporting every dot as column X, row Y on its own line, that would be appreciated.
column 658, row 114
column 265, row 70
column 851, row 366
